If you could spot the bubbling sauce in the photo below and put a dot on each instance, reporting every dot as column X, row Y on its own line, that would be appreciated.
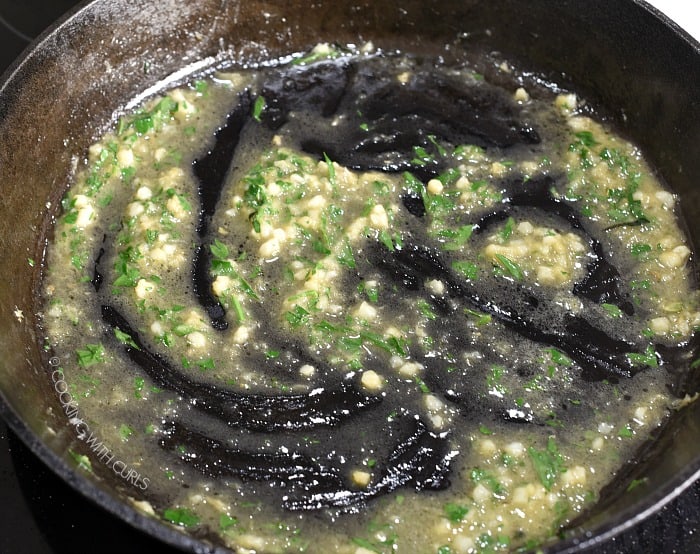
column 368, row 302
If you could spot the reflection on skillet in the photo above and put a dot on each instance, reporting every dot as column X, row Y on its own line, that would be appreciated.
column 44, row 515
column 414, row 437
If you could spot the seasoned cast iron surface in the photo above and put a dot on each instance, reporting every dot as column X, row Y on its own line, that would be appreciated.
column 43, row 515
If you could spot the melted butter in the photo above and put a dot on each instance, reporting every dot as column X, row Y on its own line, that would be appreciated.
column 349, row 351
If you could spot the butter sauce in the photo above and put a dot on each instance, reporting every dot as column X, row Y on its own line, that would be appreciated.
column 366, row 302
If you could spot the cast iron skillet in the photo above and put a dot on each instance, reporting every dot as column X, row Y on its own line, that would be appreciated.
column 640, row 70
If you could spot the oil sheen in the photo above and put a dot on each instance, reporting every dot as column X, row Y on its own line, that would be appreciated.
column 368, row 302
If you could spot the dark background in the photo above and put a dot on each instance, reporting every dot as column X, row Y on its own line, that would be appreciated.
column 42, row 515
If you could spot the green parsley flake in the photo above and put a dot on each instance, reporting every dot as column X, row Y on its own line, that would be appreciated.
column 181, row 516
column 90, row 355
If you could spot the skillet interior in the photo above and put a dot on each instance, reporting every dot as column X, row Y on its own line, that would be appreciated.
column 59, row 98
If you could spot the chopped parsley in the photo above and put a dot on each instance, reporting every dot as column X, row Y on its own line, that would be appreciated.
column 512, row 268
column 455, row 512
column 548, row 463
column 181, row 516
column 90, row 354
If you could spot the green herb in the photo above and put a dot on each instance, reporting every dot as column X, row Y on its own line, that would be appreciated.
column 364, row 543
column 205, row 364
column 331, row 172
column 485, row 430
column 612, row 310
column 488, row 543
column 413, row 184
column 559, row 357
column 441, row 150
column 182, row 329
column 455, row 239
column 143, row 123
column 422, row 157
column 449, row 177
column 238, row 309
column 455, row 512
column 392, row 345
column 487, row 478
column 624, row 208
column 201, row 86
column 127, row 276
column 391, row 242
column 548, row 463
column 639, row 250
column 511, row 267
column 478, row 184
column 165, row 108
column 636, row 482
column 184, row 203
column 440, row 205
column 468, row 269
column 181, row 516
column 553, row 421
column 583, row 152
column 615, row 158
column 254, row 195
column 481, row 318
column 508, row 229
column 493, row 379
column 562, row 508
column 128, row 174
column 346, row 256
column 125, row 339
column 321, row 246
column 317, row 55
column 82, row 460
column 125, row 431
column 105, row 201
column 219, row 250
column 226, row 522
column 586, row 138
column 444, row 550
column 151, row 236
column 258, row 107
column 648, row 358
column 221, row 267
column 421, row 385
column 297, row 316
column 425, row 309
column 271, row 354
column 91, row 354
column 626, row 432
column 371, row 292
column 640, row 285
column 78, row 260
column 139, row 382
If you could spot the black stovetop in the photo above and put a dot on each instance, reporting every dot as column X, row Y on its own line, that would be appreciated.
column 43, row 515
